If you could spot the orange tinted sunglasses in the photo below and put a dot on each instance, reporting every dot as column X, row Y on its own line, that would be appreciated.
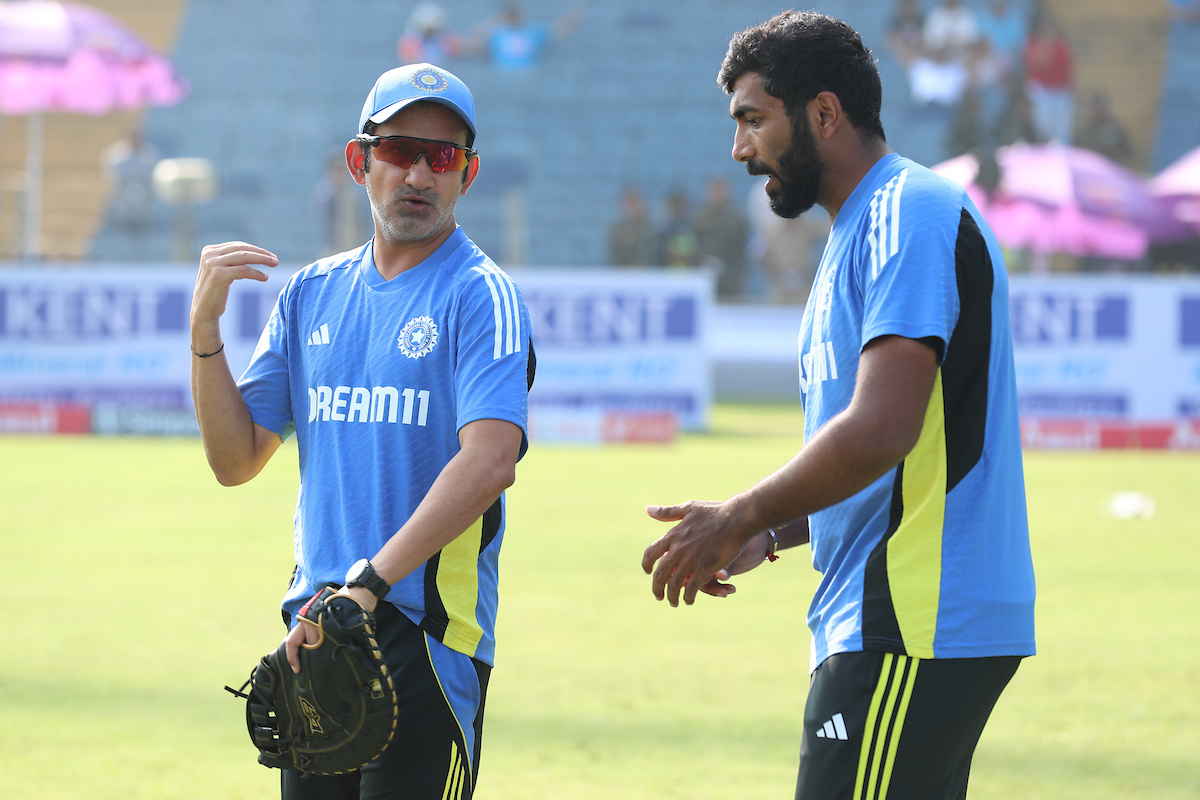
column 403, row 151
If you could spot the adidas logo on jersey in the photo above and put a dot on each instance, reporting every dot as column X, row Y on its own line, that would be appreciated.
column 320, row 335
column 834, row 728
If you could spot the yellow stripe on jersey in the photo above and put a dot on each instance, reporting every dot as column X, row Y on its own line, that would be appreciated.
column 456, row 775
column 458, row 588
column 914, row 552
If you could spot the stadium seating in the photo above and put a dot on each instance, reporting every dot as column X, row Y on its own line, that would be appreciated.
column 628, row 98
column 1179, row 111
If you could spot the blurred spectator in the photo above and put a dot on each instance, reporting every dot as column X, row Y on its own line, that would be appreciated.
column 950, row 26
column 677, row 246
column 129, row 166
column 987, row 177
column 1100, row 131
column 426, row 37
column 967, row 128
column 1049, row 66
column 1016, row 122
column 904, row 32
column 722, row 232
column 1003, row 27
column 513, row 43
column 789, row 250
column 342, row 208
column 937, row 79
column 632, row 239
column 793, row 253
column 987, row 81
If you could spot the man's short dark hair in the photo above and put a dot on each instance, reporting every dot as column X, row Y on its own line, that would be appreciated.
column 803, row 53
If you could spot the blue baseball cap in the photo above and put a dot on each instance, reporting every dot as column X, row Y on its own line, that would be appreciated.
column 413, row 83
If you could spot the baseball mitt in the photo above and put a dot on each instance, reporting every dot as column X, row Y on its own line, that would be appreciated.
column 340, row 711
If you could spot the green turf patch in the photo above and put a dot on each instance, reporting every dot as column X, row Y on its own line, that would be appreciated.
column 136, row 587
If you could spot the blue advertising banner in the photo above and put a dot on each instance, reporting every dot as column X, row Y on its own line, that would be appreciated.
column 1107, row 347
column 116, row 341
column 620, row 340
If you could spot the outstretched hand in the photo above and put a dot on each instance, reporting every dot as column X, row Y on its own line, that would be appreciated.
column 220, row 266
column 696, row 555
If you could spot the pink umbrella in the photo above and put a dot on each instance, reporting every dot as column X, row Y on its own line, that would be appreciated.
column 1179, row 187
column 1058, row 199
column 72, row 58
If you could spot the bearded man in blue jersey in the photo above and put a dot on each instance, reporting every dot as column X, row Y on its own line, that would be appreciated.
column 910, row 484
column 402, row 368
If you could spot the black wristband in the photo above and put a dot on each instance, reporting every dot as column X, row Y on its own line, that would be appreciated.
column 363, row 574
column 209, row 355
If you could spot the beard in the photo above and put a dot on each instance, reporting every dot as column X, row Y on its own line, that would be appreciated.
column 398, row 224
column 798, row 176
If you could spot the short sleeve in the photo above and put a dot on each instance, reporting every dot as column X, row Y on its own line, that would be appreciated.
column 494, row 351
column 908, row 272
column 265, row 385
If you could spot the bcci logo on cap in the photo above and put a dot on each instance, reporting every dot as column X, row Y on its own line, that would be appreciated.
column 429, row 80
column 418, row 337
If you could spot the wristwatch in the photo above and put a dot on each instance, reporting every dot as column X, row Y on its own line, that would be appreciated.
column 363, row 574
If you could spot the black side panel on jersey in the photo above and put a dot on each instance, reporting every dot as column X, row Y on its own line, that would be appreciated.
column 437, row 618
column 964, row 374
column 968, row 358
column 880, row 628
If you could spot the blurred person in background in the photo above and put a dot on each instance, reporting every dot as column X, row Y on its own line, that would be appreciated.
column 967, row 128
column 633, row 239
column 677, row 245
column 1003, row 27
column 402, row 368
column 905, row 31
column 514, row 43
column 788, row 250
column 1016, row 123
column 426, row 37
column 937, row 80
column 1049, row 73
column 722, row 232
column 1100, row 131
column 910, row 483
column 341, row 207
column 128, row 164
column 950, row 26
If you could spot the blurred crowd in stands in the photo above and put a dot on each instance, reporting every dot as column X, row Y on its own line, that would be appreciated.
column 1000, row 76
column 509, row 40
column 752, row 253
column 990, row 73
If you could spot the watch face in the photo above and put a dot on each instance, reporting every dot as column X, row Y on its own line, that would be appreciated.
column 358, row 571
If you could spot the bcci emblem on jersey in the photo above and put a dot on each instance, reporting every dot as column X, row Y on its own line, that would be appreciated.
column 418, row 337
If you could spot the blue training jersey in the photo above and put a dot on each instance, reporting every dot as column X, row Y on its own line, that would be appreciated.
column 376, row 378
column 931, row 560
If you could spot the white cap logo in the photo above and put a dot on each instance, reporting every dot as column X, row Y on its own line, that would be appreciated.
column 430, row 80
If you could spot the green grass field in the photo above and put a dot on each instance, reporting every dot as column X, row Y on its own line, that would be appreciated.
column 136, row 588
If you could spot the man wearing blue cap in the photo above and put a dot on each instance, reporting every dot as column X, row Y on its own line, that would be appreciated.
column 402, row 368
